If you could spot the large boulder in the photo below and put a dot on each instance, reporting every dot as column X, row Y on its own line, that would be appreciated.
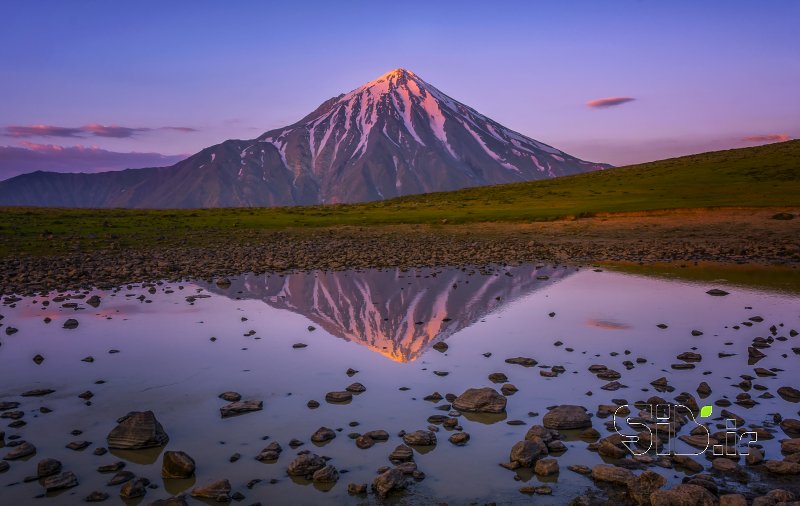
column 480, row 400
column 138, row 430
column 567, row 416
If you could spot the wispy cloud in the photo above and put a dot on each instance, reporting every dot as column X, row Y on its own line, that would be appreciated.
column 92, row 129
column 608, row 102
column 767, row 138
column 30, row 157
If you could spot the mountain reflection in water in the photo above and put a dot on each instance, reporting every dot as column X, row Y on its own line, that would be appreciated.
column 397, row 313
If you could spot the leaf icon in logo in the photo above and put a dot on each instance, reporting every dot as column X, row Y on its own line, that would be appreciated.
column 705, row 411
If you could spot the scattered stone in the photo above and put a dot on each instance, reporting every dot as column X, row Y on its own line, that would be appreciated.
column 546, row 467
column 219, row 491
column 305, row 465
column 322, row 435
column 523, row 361
column 480, row 400
column 134, row 488
column 271, row 452
column 96, row 496
column 60, row 481
column 47, row 467
column 356, row 488
column 498, row 377
column 338, row 397
column 177, row 464
column 356, row 388
column 401, row 453
column 240, row 407
column 390, row 480
column 459, row 438
column 611, row 474
column 137, row 430
column 230, row 396
column 440, row 346
column 567, row 417
column 71, row 323
column 716, row 292
column 420, row 438
column 22, row 450
column 327, row 474
column 39, row 392
column 526, row 452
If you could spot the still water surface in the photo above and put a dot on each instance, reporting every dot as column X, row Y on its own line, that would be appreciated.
column 178, row 352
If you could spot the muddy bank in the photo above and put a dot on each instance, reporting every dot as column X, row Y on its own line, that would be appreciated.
column 728, row 236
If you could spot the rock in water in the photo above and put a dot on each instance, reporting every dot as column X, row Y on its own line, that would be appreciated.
column 219, row 491
column 305, row 465
column 134, row 488
column 60, row 481
column 716, row 292
column 47, row 467
column 525, row 453
column 343, row 396
column 323, row 434
column 71, row 323
column 420, row 438
column 138, row 430
column 240, row 408
column 230, row 396
column 401, row 454
column 612, row 474
column 177, row 465
column 480, row 400
column 327, row 474
column 172, row 501
column 22, row 450
column 567, row 417
column 393, row 479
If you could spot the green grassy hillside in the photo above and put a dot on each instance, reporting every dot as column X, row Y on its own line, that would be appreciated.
column 750, row 177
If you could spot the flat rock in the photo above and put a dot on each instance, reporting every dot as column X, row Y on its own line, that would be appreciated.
column 137, row 430
column 567, row 416
column 611, row 474
column 480, row 400
column 338, row 397
column 523, row 361
column 230, row 396
column 240, row 408
column 356, row 388
column 60, row 481
column 22, row 450
column 219, row 491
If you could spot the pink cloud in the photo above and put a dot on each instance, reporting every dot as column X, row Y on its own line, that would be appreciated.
column 608, row 102
column 30, row 157
column 767, row 138
column 92, row 129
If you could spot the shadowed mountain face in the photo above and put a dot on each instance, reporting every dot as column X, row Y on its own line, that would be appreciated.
column 397, row 314
column 394, row 136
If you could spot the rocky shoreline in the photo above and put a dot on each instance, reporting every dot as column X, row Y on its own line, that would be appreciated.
column 735, row 237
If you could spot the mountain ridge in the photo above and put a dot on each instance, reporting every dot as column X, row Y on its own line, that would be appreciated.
column 396, row 135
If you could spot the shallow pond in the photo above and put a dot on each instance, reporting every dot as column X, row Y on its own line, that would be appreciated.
column 177, row 346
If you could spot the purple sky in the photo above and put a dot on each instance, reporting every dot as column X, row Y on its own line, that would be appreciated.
column 103, row 85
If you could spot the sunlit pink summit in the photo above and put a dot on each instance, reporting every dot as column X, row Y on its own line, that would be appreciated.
column 396, row 135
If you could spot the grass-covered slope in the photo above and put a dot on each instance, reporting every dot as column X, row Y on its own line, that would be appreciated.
column 750, row 177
